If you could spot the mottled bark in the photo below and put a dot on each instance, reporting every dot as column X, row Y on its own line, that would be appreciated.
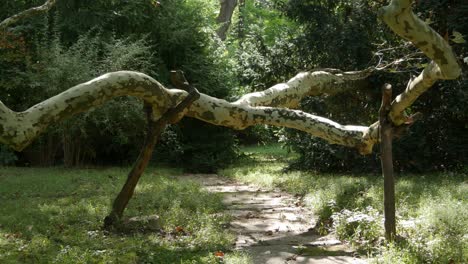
column 19, row 129
column 398, row 15
column 319, row 82
column 224, row 17
column 386, row 160
column 27, row 13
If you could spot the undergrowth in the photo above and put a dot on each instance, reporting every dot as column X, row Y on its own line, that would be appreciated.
column 432, row 209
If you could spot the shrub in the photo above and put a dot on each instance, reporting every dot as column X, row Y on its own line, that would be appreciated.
column 361, row 227
column 7, row 156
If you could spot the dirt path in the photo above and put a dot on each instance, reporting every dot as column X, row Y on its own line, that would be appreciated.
column 273, row 226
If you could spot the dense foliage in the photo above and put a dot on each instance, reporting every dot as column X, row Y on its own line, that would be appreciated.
column 347, row 35
column 269, row 42
column 80, row 40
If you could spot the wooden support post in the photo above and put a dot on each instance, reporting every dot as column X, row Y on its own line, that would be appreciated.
column 155, row 128
column 387, row 163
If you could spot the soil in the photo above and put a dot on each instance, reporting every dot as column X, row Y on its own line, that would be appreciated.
column 273, row 226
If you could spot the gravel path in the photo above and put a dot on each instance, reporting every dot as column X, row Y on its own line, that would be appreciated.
column 273, row 226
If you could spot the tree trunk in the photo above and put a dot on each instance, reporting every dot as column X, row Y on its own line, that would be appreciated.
column 387, row 162
column 224, row 17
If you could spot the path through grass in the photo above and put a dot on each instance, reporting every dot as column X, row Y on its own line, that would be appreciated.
column 432, row 209
column 55, row 215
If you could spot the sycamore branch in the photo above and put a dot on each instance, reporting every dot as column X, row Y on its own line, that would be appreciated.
column 27, row 13
column 398, row 15
column 304, row 84
column 19, row 129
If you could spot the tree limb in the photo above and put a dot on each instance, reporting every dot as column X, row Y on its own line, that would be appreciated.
column 27, row 13
column 398, row 15
column 19, row 129
column 304, row 84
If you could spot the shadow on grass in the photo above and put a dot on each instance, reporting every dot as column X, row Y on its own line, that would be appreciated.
column 55, row 215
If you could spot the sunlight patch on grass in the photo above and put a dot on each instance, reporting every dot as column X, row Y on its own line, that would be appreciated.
column 431, row 209
column 54, row 215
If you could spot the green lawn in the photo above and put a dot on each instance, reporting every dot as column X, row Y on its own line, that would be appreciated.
column 55, row 216
column 432, row 210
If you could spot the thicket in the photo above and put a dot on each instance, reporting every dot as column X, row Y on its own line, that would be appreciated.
column 80, row 40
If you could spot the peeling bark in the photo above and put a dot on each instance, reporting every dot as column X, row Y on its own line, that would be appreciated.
column 19, row 129
column 27, row 13
column 398, row 15
column 272, row 106
column 304, row 84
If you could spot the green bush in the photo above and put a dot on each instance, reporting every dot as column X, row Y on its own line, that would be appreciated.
column 206, row 148
column 7, row 156
column 80, row 40
column 111, row 130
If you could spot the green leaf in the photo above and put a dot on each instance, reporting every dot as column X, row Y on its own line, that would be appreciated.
column 457, row 37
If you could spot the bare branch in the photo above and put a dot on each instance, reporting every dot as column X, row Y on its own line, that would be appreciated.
column 27, row 13
column 398, row 15
column 19, row 129
column 312, row 83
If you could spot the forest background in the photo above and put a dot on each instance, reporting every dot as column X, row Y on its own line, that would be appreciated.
column 268, row 42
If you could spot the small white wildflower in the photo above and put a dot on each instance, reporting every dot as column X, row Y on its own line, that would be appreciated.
column 93, row 233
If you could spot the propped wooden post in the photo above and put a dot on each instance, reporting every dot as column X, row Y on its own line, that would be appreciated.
column 387, row 162
column 155, row 128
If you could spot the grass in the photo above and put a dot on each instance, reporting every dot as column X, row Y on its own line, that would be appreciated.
column 432, row 210
column 54, row 215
